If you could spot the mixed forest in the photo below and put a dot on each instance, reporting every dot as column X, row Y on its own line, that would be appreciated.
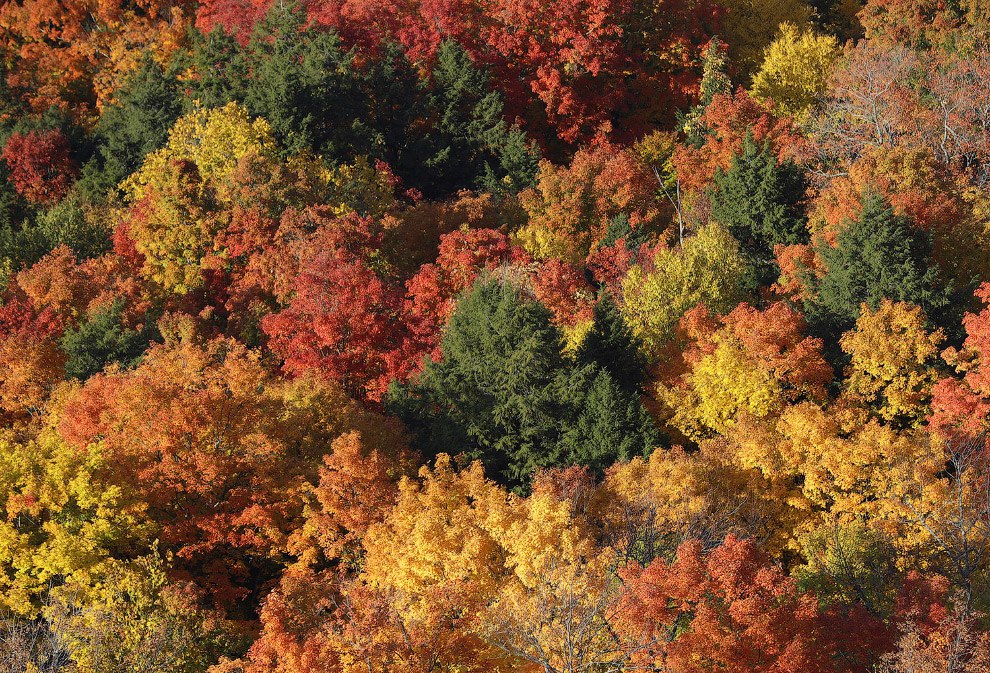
column 480, row 336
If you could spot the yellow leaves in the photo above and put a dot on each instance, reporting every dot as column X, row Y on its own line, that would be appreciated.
column 543, row 536
column 438, row 533
column 893, row 361
column 705, row 271
column 360, row 188
column 199, row 202
column 847, row 471
column 718, row 388
column 61, row 517
column 214, row 140
column 647, row 507
column 173, row 194
column 515, row 565
column 795, row 70
column 132, row 619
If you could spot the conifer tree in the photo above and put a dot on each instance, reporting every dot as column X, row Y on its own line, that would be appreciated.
column 474, row 144
column 492, row 393
column 759, row 199
column 303, row 82
column 877, row 256
column 609, row 423
column 101, row 340
column 612, row 345
column 134, row 126
column 504, row 393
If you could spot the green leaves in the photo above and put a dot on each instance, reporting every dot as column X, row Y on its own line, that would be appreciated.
column 760, row 201
column 101, row 340
column 877, row 256
column 504, row 393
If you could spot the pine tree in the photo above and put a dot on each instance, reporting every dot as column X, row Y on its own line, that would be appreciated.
column 877, row 256
column 760, row 200
column 101, row 340
column 304, row 83
column 492, row 389
column 475, row 145
column 611, row 345
column 504, row 393
column 610, row 424
column 221, row 77
column 134, row 126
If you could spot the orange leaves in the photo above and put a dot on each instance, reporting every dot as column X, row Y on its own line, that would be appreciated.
column 31, row 362
column 60, row 283
column 72, row 54
column 728, row 119
column 732, row 609
column 356, row 489
column 571, row 208
column 750, row 362
column 220, row 449
column 964, row 404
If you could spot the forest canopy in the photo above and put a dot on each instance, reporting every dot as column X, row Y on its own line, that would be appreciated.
column 478, row 336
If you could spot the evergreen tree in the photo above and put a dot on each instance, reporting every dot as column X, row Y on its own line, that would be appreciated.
column 504, row 393
column 611, row 345
column 11, row 205
column 137, row 124
column 493, row 391
column 877, row 256
column 221, row 75
column 304, row 83
column 619, row 228
column 760, row 201
column 609, row 424
column 101, row 340
column 400, row 116
column 474, row 144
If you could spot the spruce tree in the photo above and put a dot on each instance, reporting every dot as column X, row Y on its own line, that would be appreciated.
column 877, row 256
column 304, row 83
column 611, row 345
column 221, row 75
column 474, row 144
column 491, row 395
column 135, row 125
column 760, row 201
column 504, row 393
column 101, row 340
column 609, row 424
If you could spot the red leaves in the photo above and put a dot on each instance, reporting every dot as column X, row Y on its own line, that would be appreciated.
column 237, row 17
column 41, row 169
column 463, row 257
column 563, row 289
column 731, row 610
column 344, row 323
column 586, row 63
column 964, row 405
